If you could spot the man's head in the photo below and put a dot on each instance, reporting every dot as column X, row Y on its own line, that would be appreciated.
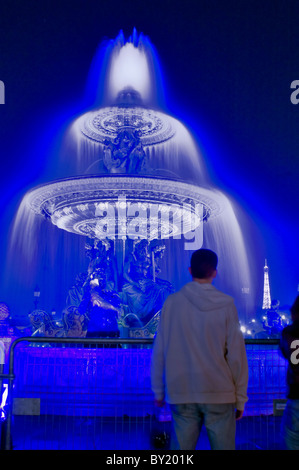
column 203, row 264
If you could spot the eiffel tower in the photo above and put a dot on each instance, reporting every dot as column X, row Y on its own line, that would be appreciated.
column 266, row 292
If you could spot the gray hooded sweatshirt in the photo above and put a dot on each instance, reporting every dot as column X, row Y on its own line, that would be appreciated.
column 199, row 351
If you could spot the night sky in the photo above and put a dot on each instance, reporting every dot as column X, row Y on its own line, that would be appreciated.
column 227, row 68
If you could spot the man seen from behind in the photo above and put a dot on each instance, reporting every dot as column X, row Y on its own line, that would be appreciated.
column 199, row 364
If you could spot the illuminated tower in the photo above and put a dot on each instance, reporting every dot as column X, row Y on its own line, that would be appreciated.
column 266, row 293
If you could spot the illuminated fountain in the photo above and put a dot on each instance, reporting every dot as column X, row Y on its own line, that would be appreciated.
column 136, row 190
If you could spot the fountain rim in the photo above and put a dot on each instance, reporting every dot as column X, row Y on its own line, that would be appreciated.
column 43, row 190
column 85, row 204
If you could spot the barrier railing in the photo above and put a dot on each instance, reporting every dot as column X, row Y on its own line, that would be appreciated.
column 105, row 384
column 10, row 376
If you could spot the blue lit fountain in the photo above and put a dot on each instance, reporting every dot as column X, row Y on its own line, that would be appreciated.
column 138, row 191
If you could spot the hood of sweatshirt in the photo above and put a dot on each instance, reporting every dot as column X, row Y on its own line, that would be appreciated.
column 205, row 297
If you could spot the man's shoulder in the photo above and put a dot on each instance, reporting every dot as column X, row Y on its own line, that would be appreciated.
column 219, row 292
column 215, row 293
column 205, row 293
column 173, row 297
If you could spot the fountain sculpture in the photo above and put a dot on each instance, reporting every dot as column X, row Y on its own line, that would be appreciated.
column 138, row 187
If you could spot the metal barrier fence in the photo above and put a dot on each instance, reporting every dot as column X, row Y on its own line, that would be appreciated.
column 69, row 393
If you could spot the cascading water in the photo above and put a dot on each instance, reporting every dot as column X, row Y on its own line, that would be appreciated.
column 166, row 171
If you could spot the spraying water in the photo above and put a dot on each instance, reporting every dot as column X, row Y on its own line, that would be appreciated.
column 125, row 104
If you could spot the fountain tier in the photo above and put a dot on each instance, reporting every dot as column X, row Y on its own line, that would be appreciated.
column 124, row 206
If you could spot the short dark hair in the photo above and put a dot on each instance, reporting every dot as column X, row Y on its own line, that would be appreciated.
column 203, row 263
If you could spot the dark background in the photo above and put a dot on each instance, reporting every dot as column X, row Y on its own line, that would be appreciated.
column 227, row 69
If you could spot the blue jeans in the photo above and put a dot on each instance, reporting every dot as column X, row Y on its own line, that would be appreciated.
column 219, row 420
column 290, row 425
